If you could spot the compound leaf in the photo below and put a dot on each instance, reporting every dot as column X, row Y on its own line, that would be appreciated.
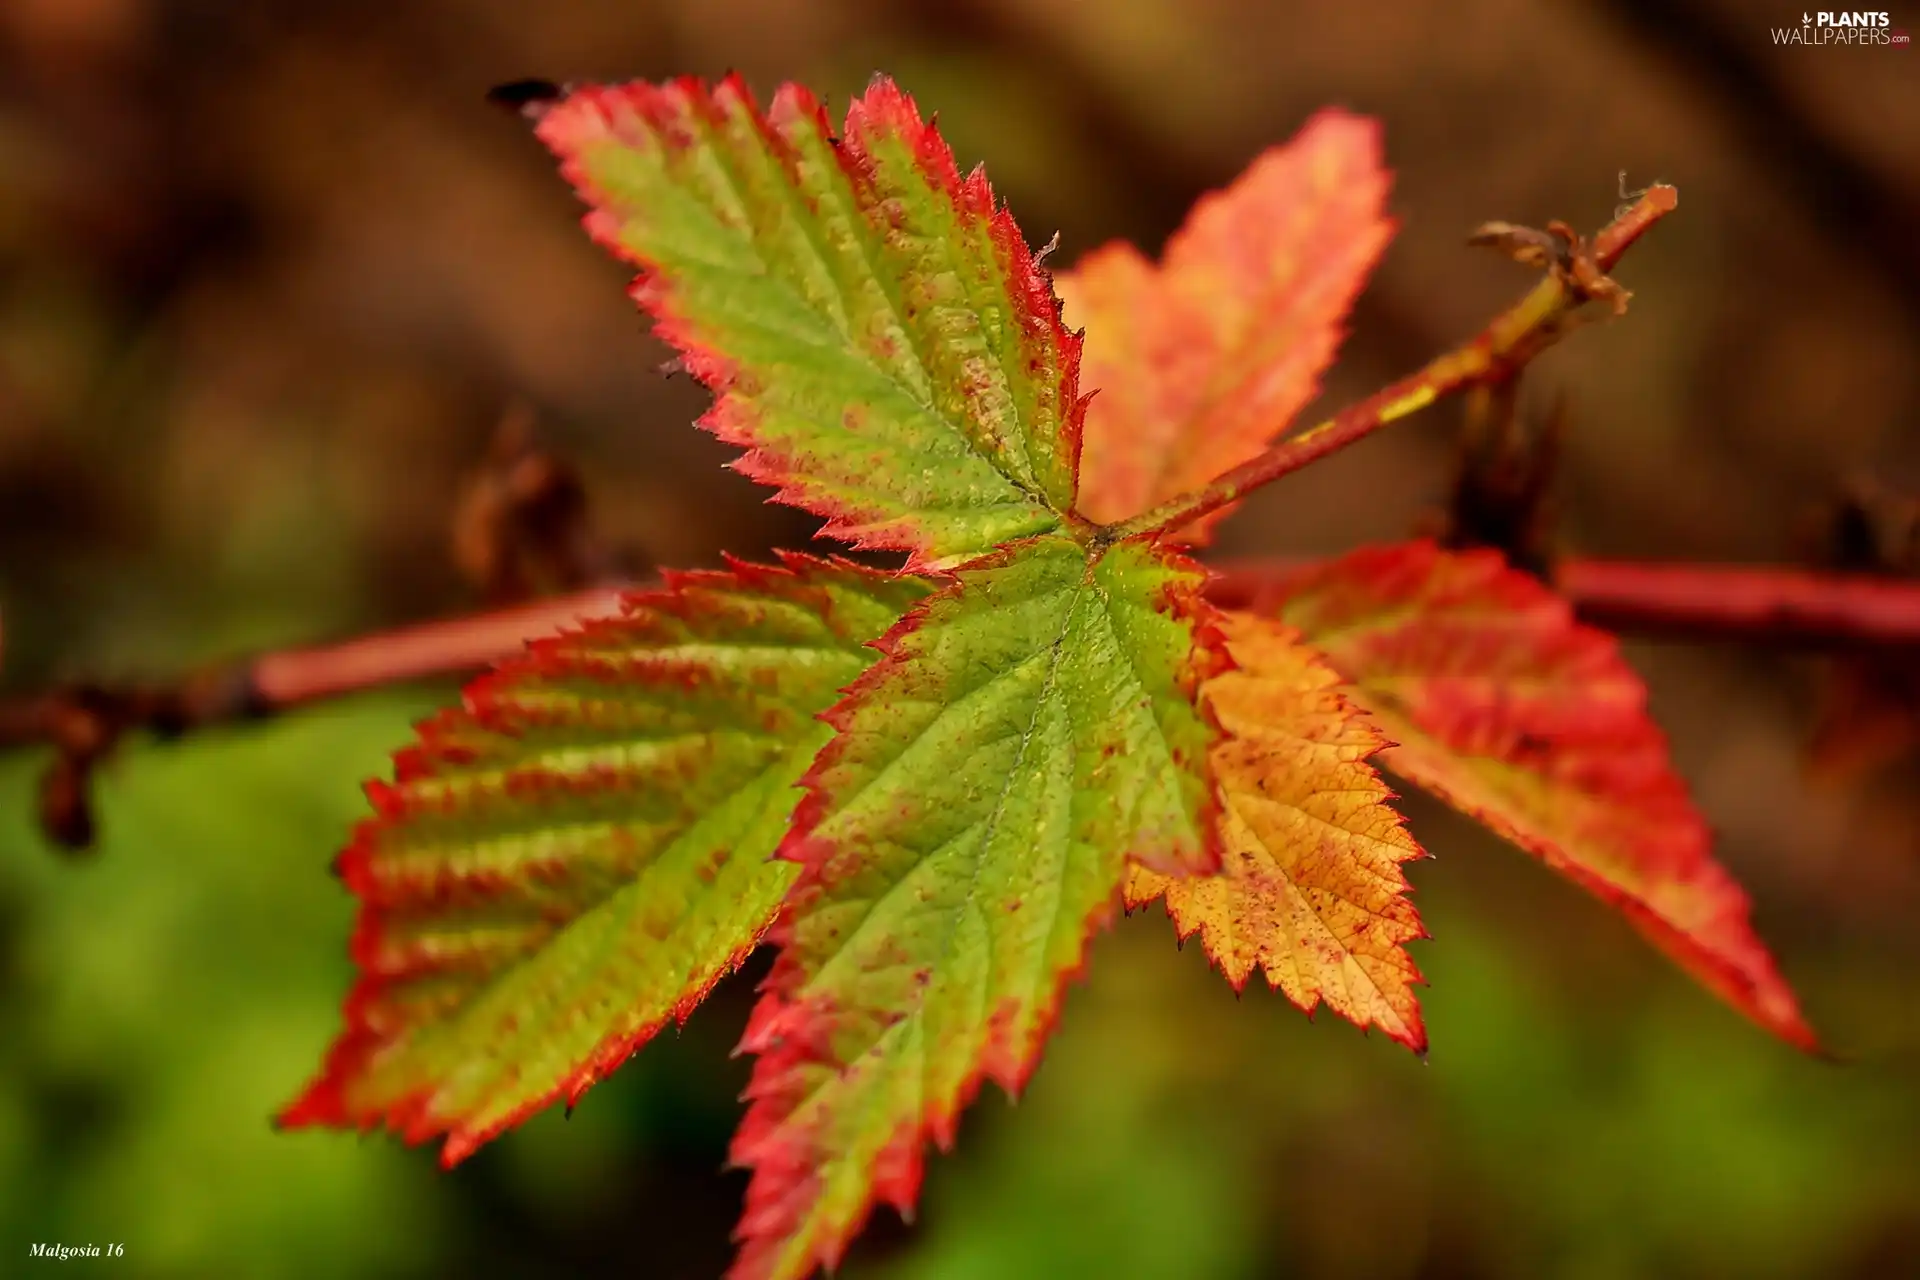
column 1508, row 709
column 876, row 332
column 574, row 856
column 1202, row 360
column 1310, row 888
column 1030, row 727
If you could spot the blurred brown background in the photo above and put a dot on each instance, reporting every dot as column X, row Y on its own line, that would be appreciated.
column 269, row 274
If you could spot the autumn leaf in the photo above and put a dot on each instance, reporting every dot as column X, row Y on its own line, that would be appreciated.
column 1509, row 710
column 1030, row 727
column 1310, row 889
column 874, row 328
column 576, row 855
column 1054, row 722
column 1202, row 360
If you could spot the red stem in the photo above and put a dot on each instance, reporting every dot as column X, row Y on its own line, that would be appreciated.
column 1773, row 606
column 446, row 647
column 1770, row 606
column 85, row 720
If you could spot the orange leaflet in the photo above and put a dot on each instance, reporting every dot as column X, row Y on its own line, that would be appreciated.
column 1203, row 360
column 1506, row 708
column 1310, row 888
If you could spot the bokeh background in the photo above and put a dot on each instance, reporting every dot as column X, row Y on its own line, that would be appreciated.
column 270, row 272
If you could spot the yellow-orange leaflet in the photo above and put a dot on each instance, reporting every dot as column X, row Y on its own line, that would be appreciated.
column 1311, row 888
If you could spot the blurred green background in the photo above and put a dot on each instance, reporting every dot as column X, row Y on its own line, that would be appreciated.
column 268, row 274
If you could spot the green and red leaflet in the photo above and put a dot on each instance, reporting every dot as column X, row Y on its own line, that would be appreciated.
column 931, row 787
column 571, row 859
column 875, row 331
column 1030, row 727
